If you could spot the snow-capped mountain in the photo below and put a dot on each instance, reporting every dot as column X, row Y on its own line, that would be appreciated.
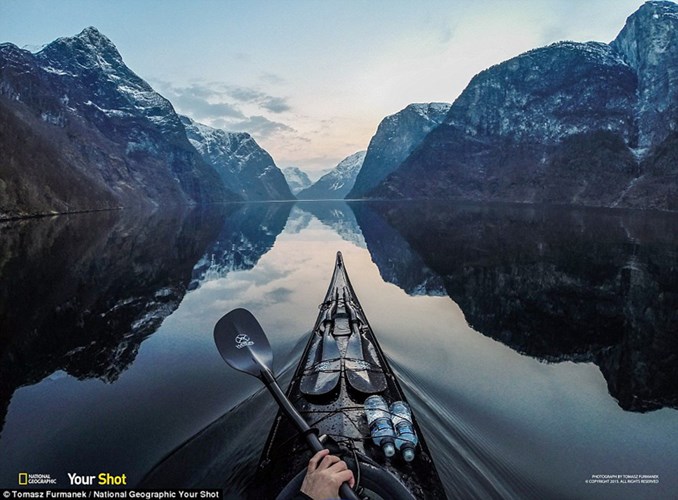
column 396, row 137
column 84, row 132
column 336, row 184
column 574, row 123
column 296, row 178
column 244, row 167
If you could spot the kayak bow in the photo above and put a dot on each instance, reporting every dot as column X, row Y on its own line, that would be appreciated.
column 341, row 366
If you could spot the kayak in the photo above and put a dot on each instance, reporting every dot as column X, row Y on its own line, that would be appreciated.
column 341, row 366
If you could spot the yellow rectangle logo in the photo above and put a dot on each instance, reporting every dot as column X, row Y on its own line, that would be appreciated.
column 23, row 478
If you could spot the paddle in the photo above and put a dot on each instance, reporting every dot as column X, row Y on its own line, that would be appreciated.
column 362, row 375
column 323, row 375
column 243, row 344
column 326, row 371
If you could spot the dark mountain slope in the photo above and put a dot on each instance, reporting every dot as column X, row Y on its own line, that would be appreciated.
column 571, row 123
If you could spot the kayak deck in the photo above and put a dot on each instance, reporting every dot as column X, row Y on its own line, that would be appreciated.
column 342, row 365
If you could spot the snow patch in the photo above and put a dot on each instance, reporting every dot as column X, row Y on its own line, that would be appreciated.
column 56, row 71
column 52, row 118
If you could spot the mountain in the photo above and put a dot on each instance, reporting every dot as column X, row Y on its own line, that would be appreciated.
column 571, row 123
column 396, row 137
column 649, row 45
column 335, row 184
column 244, row 167
column 296, row 179
column 79, row 130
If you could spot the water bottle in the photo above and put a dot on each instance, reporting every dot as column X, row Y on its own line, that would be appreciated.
column 406, row 439
column 379, row 422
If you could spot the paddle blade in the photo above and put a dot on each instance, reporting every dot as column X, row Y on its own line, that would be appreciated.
column 324, row 375
column 242, row 342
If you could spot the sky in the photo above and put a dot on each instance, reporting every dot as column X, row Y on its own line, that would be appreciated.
column 312, row 79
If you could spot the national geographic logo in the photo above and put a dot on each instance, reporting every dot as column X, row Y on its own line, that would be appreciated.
column 26, row 479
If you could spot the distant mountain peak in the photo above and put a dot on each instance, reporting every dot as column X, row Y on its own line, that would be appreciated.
column 104, row 132
column 350, row 163
column 396, row 137
column 338, row 182
column 657, row 6
column 652, row 28
column 648, row 42
column 89, row 49
column 94, row 37
column 297, row 179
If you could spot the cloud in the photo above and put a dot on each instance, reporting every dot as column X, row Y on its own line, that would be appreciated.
column 228, row 107
column 199, row 101
column 253, row 96
column 244, row 94
column 260, row 126
column 202, row 109
column 219, row 101
column 276, row 105
column 272, row 78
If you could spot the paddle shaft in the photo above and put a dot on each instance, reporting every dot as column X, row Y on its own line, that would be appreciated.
column 311, row 438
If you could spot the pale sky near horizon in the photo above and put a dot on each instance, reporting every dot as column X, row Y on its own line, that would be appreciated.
column 311, row 80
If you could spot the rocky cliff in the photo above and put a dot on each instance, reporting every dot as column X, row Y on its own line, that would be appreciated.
column 80, row 130
column 648, row 43
column 335, row 184
column 574, row 123
column 396, row 137
column 244, row 167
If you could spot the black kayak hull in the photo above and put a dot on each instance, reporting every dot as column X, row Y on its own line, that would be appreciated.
column 342, row 364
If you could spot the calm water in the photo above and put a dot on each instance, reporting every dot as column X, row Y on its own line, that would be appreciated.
column 538, row 346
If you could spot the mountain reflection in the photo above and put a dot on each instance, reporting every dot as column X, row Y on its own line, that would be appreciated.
column 397, row 262
column 244, row 237
column 556, row 284
column 336, row 215
column 80, row 293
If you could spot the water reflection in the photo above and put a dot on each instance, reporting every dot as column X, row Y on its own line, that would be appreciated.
column 398, row 263
column 553, row 283
column 81, row 293
column 244, row 237
column 336, row 215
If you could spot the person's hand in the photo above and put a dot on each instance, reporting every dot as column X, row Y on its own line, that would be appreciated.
column 325, row 474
